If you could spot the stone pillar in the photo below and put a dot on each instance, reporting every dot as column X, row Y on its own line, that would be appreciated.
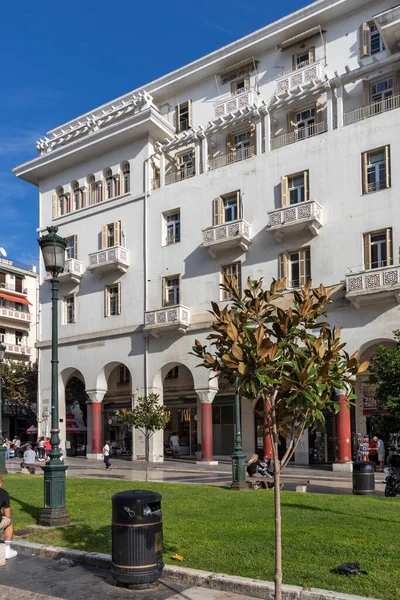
column 258, row 136
column 206, row 398
column 162, row 169
column 340, row 92
column 197, row 157
column 204, row 153
column 329, row 109
column 344, row 462
column 95, row 423
column 267, row 132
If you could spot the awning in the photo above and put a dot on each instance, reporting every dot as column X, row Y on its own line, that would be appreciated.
column 73, row 426
column 32, row 430
column 13, row 298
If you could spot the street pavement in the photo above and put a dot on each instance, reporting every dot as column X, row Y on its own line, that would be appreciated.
column 27, row 578
column 319, row 479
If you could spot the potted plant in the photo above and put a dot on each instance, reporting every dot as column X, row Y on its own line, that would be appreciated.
column 197, row 451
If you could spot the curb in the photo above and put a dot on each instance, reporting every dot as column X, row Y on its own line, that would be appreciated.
column 193, row 577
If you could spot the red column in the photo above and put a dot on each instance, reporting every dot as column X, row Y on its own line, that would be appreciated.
column 267, row 437
column 344, row 430
column 96, row 428
column 206, row 431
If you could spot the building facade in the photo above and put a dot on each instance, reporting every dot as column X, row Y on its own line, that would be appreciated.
column 18, row 326
column 271, row 157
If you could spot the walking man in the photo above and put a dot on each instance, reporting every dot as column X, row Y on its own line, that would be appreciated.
column 6, row 523
column 106, row 455
column 380, row 447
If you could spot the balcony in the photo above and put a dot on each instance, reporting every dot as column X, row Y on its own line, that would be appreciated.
column 230, row 158
column 235, row 234
column 293, row 219
column 16, row 349
column 179, row 175
column 10, row 287
column 372, row 286
column 73, row 271
column 230, row 104
column 15, row 315
column 305, row 77
column 388, row 24
column 115, row 258
column 299, row 135
column 366, row 112
column 170, row 319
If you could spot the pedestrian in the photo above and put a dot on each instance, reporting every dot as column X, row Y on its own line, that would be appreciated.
column 17, row 446
column 6, row 445
column 41, row 449
column 372, row 452
column 47, row 448
column 174, row 441
column 106, row 455
column 380, row 447
column 6, row 523
column 29, row 457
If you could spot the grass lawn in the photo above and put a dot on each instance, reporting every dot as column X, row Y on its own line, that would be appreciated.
column 217, row 529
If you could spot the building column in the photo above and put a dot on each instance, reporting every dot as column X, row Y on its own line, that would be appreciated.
column 206, row 398
column 197, row 157
column 329, row 109
column 267, row 132
column 339, row 92
column 344, row 462
column 258, row 136
column 95, row 423
column 162, row 169
column 204, row 153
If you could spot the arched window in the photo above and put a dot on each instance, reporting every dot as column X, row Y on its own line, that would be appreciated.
column 76, row 194
column 126, row 177
column 94, row 190
column 63, row 201
column 109, row 191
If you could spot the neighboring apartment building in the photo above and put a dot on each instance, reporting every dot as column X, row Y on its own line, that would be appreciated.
column 18, row 324
column 274, row 156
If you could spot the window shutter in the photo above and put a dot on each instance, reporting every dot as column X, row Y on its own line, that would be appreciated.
column 367, row 251
column 218, row 210
column 177, row 118
column 117, row 185
column 284, row 191
column 55, row 206
column 389, row 246
column 253, row 140
column 311, row 54
column 106, row 301
column 76, row 247
column 387, row 166
column 164, row 291
column 291, row 124
column 119, row 297
column 117, row 233
column 239, row 204
column 302, row 267
column 104, row 236
column 364, row 40
column 247, row 83
column 229, row 143
column 306, row 186
column 190, row 114
column 104, row 194
column 364, row 168
column 366, row 94
column 319, row 113
column 283, row 267
column 83, row 198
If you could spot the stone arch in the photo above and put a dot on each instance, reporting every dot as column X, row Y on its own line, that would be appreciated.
column 367, row 349
column 73, row 414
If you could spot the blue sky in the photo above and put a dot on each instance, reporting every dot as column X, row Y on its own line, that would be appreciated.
column 60, row 60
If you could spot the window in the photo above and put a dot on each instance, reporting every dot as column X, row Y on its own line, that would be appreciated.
column 19, row 307
column 381, row 95
column 232, row 270
column 95, row 190
column 109, row 183
column 240, row 85
column 2, row 335
column 304, row 58
column 18, row 284
column 227, row 208
column 376, row 170
column 173, row 373
column 241, row 144
column 69, row 302
column 124, row 374
column 171, row 291
column 378, row 249
column 61, row 203
column 112, row 300
column 295, row 188
column 184, row 116
column 3, row 303
column 19, row 338
column 71, row 251
column 186, row 164
column 370, row 40
column 305, row 123
column 117, row 185
column 173, row 227
column 126, row 178
column 111, row 235
column 77, row 196
column 295, row 267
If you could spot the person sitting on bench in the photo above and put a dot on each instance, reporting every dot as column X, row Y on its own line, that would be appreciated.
column 257, row 468
column 29, row 459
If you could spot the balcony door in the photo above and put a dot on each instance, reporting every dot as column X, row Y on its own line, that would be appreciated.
column 305, row 123
column 382, row 94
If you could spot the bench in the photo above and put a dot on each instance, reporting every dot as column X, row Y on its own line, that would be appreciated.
column 28, row 470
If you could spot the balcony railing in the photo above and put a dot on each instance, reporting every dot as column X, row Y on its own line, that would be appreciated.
column 362, row 284
column 11, row 288
column 298, row 135
column 230, row 158
column 10, row 313
column 296, row 217
column 108, row 259
column 229, row 104
column 227, row 235
column 179, row 175
column 167, row 319
column 17, row 349
column 302, row 75
column 73, row 270
column 366, row 112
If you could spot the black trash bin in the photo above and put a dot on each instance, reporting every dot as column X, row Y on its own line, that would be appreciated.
column 137, row 546
column 363, row 477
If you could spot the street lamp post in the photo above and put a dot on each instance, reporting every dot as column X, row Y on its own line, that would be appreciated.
column 2, row 449
column 54, row 512
column 238, row 457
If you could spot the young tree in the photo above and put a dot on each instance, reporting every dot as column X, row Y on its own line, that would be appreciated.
column 290, row 358
column 148, row 416
column 385, row 373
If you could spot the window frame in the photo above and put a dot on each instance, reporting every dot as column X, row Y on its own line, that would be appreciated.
column 108, row 297
column 172, row 225
column 370, row 187
column 67, row 306
column 184, row 106
column 176, row 289
column 367, row 242
column 285, row 267
column 225, row 297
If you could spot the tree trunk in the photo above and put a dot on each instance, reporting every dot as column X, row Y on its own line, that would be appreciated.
column 278, row 529
column 147, row 456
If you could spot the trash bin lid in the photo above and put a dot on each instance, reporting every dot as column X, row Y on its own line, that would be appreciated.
column 131, row 496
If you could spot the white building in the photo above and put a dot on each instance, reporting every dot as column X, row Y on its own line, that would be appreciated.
column 18, row 322
column 273, row 156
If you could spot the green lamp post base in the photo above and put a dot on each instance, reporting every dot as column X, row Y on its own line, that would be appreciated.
column 54, row 512
column 3, row 469
column 238, row 470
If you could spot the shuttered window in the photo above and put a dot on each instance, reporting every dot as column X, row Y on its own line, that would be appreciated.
column 232, row 270
column 295, row 188
column 111, row 235
column 370, row 40
column 378, row 249
column 171, row 290
column 183, row 116
column 227, row 208
column 376, row 171
column 69, row 304
column 112, row 300
column 71, row 251
column 295, row 268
